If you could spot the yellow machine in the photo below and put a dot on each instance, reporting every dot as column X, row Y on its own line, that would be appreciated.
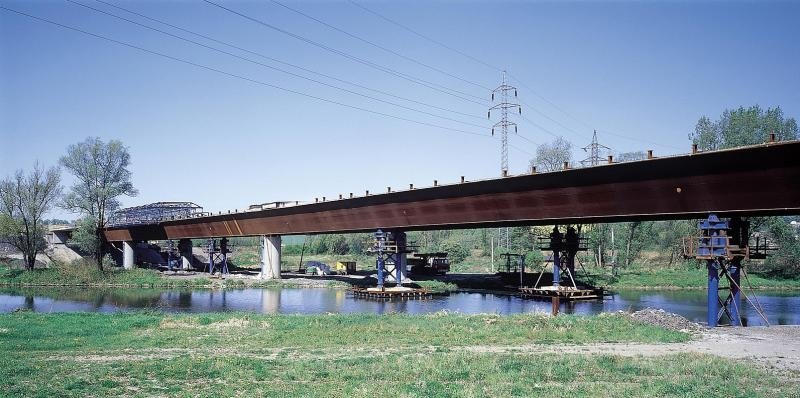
column 345, row 267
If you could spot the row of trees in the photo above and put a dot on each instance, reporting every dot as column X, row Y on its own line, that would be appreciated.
column 101, row 173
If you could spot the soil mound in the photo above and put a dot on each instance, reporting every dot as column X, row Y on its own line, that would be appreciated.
column 666, row 320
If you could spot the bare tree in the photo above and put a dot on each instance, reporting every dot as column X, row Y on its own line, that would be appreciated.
column 551, row 157
column 102, row 174
column 24, row 200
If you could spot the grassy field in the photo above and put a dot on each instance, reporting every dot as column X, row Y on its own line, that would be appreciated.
column 147, row 354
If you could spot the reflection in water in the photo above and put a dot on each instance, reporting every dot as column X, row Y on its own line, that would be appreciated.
column 781, row 307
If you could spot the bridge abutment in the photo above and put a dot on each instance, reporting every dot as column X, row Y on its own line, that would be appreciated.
column 270, row 257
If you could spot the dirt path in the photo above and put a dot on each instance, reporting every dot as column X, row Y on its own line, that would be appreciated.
column 777, row 346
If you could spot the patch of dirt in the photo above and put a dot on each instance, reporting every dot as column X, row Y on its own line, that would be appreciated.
column 232, row 323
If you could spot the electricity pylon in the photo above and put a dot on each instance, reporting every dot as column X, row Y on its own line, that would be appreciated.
column 501, row 93
column 594, row 152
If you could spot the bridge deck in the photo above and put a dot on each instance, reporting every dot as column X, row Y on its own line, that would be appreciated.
column 763, row 179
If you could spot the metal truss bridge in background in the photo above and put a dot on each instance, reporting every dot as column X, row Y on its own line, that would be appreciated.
column 154, row 213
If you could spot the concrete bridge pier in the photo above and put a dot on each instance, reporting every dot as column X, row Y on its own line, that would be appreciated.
column 128, row 258
column 270, row 257
column 185, row 249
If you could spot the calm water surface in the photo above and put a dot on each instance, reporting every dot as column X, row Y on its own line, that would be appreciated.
column 781, row 307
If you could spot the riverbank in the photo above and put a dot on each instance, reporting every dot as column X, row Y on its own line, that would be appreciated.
column 635, row 278
column 144, row 354
column 666, row 278
column 90, row 276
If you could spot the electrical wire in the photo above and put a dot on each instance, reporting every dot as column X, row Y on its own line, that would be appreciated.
column 261, row 55
column 480, row 61
column 274, row 68
column 498, row 69
column 233, row 75
column 434, row 86
column 380, row 46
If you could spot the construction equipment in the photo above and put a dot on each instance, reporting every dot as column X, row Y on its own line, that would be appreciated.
column 429, row 263
column 345, row 267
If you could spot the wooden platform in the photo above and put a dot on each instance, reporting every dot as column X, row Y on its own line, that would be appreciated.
column 562, row 292
column 389, row 293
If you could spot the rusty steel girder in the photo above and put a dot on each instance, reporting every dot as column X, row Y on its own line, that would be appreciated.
column 756, row 180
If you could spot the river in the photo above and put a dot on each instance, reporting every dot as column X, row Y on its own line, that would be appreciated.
column 781, row 307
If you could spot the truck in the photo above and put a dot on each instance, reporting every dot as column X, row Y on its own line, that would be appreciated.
column 428, row 263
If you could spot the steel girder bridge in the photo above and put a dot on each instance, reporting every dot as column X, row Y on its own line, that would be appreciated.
column 733, row 183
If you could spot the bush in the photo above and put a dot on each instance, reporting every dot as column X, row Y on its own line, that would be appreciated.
column 455, row 251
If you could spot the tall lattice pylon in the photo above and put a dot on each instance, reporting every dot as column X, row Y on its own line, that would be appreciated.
column 500, row 100
column 594, row 152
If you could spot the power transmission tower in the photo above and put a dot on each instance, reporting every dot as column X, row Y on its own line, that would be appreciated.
column 594, row 152
column 501, row 94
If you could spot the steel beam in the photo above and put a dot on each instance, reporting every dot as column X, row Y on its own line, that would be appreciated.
column 758, row 180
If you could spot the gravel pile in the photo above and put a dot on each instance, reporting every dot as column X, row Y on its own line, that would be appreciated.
column 667, row 320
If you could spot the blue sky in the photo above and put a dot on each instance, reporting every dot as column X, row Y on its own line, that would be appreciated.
column 646, row 70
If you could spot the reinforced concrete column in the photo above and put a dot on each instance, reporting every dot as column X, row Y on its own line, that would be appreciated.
column 185, row 248
column 127, row 254
column 270, row 257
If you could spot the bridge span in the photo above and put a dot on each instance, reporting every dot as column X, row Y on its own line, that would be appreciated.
column 755, row 180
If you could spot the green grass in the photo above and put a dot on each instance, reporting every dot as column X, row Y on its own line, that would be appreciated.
column 437, row 286
column 88, row 275
column 146, row 354
column 89, row 331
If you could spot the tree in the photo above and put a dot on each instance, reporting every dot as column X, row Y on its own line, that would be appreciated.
column 24, row 200
column 743, row 126
column 551, row 157
column 102, row 174
column 749, row 126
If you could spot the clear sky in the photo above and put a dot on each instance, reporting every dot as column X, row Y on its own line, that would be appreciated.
column 646, row 70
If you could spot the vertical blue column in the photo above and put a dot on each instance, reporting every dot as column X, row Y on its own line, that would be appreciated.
column 380, row 270
column 556, row 269
column 380, row 240
column 735, row 269
column 713, row 287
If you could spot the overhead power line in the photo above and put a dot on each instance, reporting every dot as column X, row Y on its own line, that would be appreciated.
column 275, row 68
column 380, row 46
column 639, row 140
column 236, row 76
column 434, row 86
column 381, row 16
column 498, row 69
column 262, row 55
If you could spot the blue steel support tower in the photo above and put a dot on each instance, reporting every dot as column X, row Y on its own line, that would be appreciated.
column 723, row 245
